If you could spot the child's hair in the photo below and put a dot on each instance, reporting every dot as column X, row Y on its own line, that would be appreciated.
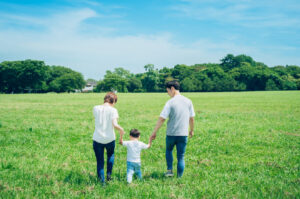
column 134, row 133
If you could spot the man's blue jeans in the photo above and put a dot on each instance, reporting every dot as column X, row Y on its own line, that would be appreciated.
column 133, row 168
column 99, row 152
column 180, row 142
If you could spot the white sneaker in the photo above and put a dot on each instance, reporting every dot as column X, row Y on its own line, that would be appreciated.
column 169, row 173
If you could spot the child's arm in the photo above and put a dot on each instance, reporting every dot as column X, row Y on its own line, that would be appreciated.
column 150, row 142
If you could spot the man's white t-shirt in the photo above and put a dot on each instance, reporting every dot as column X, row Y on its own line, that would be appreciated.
column 104, row 131
column 134, row 148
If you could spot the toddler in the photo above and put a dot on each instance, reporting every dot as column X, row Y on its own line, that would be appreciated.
column 134, row 147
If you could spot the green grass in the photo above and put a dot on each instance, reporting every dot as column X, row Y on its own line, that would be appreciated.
column 246, row 145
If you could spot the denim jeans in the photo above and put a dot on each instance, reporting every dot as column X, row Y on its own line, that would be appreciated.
column 133, row 168
column 180, row 142
column 99, row 152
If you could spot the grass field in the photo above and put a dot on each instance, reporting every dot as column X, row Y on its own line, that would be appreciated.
column 246, row 145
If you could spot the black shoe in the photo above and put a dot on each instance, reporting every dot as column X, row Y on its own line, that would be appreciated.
column 108, row 178
column 169, row 173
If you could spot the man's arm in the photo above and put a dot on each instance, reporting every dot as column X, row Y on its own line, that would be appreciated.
column 192, row 121
column 159, row 123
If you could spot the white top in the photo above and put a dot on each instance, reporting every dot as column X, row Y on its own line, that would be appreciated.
column 179, row 109
column 104, row 130
column 134, row 148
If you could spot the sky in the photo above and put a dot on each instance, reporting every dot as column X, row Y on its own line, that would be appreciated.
column 93, row 36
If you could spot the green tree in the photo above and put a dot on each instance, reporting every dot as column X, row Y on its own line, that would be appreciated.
column 280, row 70
column 135, row 85
column 122, row 72
column 112, row 82
column 57, row 71
column 68, row 83
column 190, row 84
column 181, row 71
column 164, row 76
column 239, row 59
column 289, row 82
column 230, row 61
column 91, row 81
column 99, row 87
column 62, row 79
column 150, row 78
column 23, row 76
column 293, row 71
column 207, row 84
column 271, row 85
column 298, row 83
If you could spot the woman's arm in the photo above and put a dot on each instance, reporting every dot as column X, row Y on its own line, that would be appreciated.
column 120, row 129
column 117, row 126
column 121, row 139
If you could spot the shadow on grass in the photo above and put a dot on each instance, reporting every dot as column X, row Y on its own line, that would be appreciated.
column 118, row 176
column 77, row 178
column 154, row 175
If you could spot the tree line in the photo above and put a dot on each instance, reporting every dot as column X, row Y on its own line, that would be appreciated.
column 234, row 73
column 35, row 76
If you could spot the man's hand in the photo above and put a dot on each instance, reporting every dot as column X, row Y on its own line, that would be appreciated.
column 191, row 134
column 159, row 122
column 153, row 136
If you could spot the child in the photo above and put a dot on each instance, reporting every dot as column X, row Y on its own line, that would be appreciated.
column 134, row 147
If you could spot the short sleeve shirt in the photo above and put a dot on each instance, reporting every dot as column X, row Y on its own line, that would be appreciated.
column 179, row 110
column 104, row 130
column 134, row 148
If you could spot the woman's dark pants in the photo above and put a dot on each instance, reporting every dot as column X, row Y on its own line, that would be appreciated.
column 99, row 152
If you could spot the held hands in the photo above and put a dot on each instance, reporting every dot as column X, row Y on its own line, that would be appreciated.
column 153, row 136
column 122, row 132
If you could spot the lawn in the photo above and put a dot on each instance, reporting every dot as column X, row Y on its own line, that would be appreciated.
column 246, row 145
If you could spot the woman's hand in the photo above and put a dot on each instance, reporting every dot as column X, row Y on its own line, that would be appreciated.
column 122, row 132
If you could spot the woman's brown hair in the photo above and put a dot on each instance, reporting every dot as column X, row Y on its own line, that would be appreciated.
column 111, row 98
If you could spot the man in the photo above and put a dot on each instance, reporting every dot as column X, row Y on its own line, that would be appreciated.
column 181, row 115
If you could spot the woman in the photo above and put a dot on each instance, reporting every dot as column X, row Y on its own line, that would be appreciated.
column 104, row 136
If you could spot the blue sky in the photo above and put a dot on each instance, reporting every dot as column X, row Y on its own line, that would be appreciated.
column 94, row 36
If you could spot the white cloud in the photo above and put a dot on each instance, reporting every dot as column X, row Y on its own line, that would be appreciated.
column 62, row 43
column 247, row 13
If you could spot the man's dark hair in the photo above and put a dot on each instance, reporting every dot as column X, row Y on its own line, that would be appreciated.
column 134, row 133
column 173, row 83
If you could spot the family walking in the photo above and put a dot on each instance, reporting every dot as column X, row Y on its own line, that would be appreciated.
column 178, row 109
